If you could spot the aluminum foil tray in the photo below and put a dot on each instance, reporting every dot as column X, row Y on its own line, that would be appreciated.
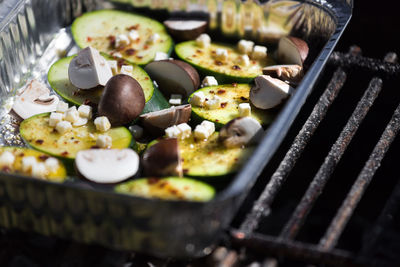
column 35, row 33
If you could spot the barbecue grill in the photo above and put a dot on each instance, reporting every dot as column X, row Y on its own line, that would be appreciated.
column 312, row 204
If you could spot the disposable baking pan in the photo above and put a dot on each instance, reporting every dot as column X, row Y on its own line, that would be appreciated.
column 34, row 33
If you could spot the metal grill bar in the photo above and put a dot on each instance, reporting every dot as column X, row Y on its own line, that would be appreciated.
column 317, row 185
column 262, row 205
column 365, row 63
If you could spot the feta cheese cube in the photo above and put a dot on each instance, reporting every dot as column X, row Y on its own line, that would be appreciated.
column 102, row 124
column 259, row 52
column 209, row 81
column 51, row 164
column 72, row 115
column 245, row 46
column 80, row 122
column 104, row 141
column 116, row 54
column 197, row 99
column 210, row 127
column 203, row 40
column 175, row 99
column 185, row 130
column 160, row 56
column 154, row 38
column 213, row 103
column 39, row 170
column 85, row 111
column 243, row 60
column 113, row 66
column 172, row 132
column 121, row 40
column 200, row 132
column 55, row 118
column 221, row 54
column 133, row 35
column 126, row 69
column 62, row 107
column 27, row 163
column 136, row 131
column 63, row 127
column 7, row 159
column 244, row 110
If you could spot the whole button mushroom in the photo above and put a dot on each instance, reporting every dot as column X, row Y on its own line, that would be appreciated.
column 122, row 100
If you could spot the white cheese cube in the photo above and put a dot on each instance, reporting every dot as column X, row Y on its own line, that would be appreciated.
column 117, row 54
column 210, row 127
column 203, row 40
column 113, row 66
column 172, row 132
column 104, row 141
column 136, row 131
column 27, row 163
column 127, row 70
column 55, row 118
column 221, row 54
column 197, row 99
column 62, row 107
column 39, row 170
column 259, row 52
column 7, row 159
column 80, row 122
column 51, row 164
column 209, row 81
column 245, row 46
column 175, row 99
column 85, row 111
column 160, row 56
column 244, row 110
column 63, row 127
column 185, row 130
column 200, row 132
column 102, row 124
column 154, row 38
column 72, row 115
column 213, row 103
column 133, row 35
column 121, row 40
column 243, row 60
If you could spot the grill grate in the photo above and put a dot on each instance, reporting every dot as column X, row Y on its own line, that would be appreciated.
column 325, row 252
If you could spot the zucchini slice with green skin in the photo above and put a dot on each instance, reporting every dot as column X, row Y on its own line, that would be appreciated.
column 231, row 96
column 99, row 28
column 39, row 135
column 169, row 188
column 225, row 72
column 57, row 175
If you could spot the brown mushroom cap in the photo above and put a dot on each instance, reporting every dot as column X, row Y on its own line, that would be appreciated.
column 174, row 76
column 162, row 159
column 122, row 100
column 156, row 122
column 186, row 29
column 292, row 50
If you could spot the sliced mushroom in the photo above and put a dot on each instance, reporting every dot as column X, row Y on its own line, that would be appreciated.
column 162, row 159
column 107, row 166
column 240, row 132
column 174, row 76
column 156, row 122
column 290, row 73
column 89, row 69
column 35, row 99
column 292, row 50
column 186, row 29
column 268, row 92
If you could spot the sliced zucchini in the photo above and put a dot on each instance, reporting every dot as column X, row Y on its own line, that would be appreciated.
column 59, row 81
column 170, row 188
column 99, row 28
column 225, row 72
column 39, row 135
column 58, row 174
column 231, row 96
